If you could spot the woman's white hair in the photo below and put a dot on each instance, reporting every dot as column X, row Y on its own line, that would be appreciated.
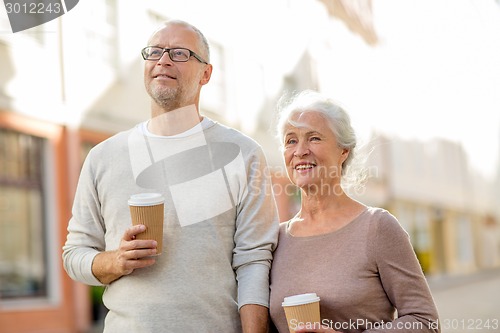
column 334, row 114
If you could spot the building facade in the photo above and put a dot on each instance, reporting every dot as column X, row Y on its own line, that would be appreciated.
column 74, row 81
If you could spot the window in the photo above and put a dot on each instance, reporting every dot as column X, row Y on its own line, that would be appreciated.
column 422, row 239
column 100, row 32
column 464, row 241
column 214, row 93
column 22, row 217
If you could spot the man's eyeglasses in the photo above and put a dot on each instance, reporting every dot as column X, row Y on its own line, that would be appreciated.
column 177, row 54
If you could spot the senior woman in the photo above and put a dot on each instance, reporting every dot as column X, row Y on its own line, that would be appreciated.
column 356, row 258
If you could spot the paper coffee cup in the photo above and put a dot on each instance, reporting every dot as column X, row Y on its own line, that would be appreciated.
column 147, row 209
column 302, row 309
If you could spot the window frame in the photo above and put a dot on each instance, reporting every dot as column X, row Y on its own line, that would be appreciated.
column 54, row 205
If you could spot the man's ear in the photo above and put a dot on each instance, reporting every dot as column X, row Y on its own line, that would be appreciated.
column 207, row 74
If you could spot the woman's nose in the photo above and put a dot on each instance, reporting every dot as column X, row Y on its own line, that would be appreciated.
column 301, row 150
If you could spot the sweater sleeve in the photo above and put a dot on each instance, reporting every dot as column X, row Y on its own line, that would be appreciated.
column 402, row 279
column 256, row 234
column 85, row 238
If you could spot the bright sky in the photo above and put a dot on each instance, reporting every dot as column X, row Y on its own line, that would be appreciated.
column 435, row 73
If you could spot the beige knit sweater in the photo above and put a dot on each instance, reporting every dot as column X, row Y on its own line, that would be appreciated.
column 210, row 267
column 363, row 273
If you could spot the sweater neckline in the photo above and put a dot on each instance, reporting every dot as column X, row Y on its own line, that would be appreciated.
column 203, row 125
column 326, row 234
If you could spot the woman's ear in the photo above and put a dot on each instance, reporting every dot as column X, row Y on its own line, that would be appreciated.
column 345, row 154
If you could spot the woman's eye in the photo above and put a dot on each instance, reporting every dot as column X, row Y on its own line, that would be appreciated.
column 291, row 141
column 315, row 138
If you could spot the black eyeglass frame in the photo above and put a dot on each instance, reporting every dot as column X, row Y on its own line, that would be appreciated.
column 191, row 54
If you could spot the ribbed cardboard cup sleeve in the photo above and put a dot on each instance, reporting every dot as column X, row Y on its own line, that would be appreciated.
column 302, row 309
column 151, row 215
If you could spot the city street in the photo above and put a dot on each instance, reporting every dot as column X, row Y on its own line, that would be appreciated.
column 468, row 303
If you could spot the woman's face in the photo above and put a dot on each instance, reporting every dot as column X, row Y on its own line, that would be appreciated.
column 312, row 156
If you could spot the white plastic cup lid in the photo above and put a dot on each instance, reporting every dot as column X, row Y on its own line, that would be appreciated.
column 146, row 199
column 300, row 299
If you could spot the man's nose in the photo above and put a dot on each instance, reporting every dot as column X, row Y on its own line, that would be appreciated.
column 164, row 59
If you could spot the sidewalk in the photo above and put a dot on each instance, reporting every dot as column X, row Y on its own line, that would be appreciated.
column 469, row 303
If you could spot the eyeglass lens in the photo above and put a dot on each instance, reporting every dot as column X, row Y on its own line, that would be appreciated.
column 155, row 53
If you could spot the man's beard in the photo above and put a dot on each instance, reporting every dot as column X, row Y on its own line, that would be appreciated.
column 166, row 98
column 170, row 98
